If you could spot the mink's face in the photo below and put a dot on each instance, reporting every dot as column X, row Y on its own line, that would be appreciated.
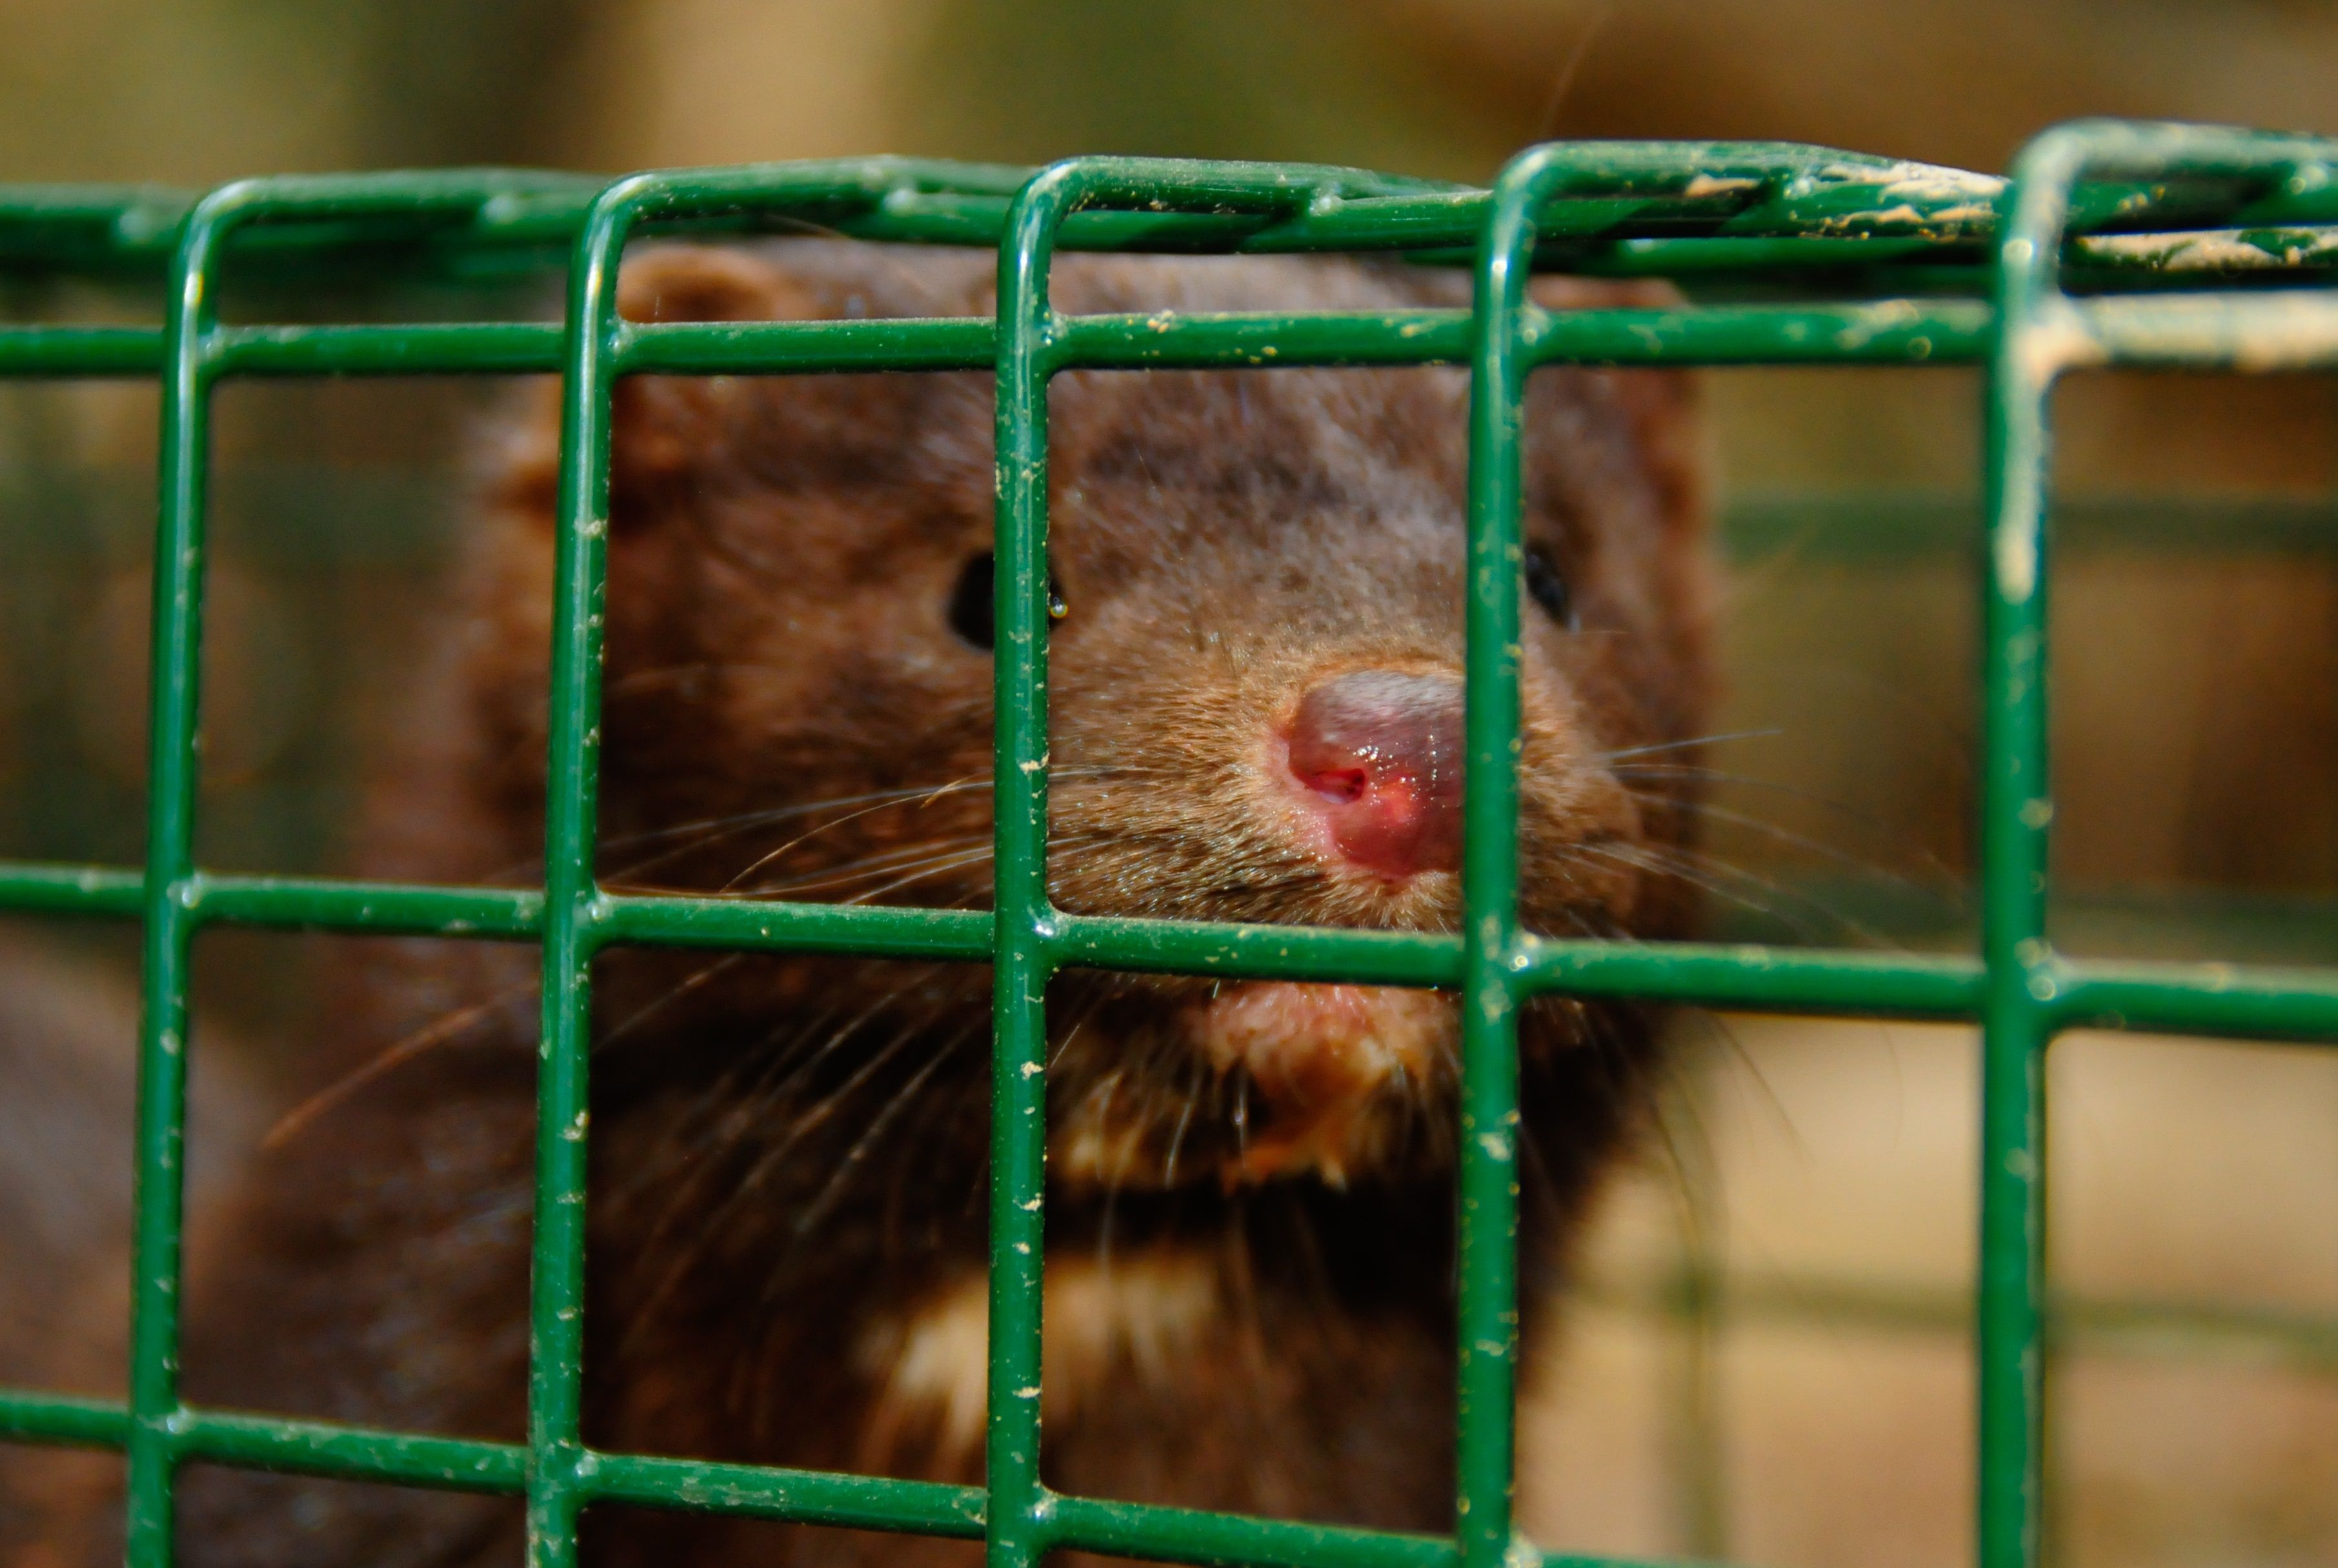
column 1254, row 686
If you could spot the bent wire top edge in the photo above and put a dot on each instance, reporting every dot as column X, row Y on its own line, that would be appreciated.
column 1684, row 207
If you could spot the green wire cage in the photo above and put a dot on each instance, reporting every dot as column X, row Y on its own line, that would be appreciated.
column 2112, row 244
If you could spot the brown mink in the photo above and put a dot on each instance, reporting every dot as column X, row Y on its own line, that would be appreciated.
column 1255, row 717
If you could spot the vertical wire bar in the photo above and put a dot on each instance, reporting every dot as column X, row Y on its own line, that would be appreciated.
column 1017, row 1513
column 2028, row 342
column 580, row 581
column 1485, row 1382
column 1019, row 1509
column 1699, row 1468
column 173, row 776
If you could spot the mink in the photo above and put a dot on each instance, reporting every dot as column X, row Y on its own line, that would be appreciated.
column 68, row 1089
column 1256, row 713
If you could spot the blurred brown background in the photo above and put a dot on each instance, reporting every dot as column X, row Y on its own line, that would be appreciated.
column 1771, row 1363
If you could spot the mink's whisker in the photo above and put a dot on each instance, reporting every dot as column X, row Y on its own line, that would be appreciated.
column 1811, row 846
column 689, row 983
column 936, row 793
column 738, row 820
column 707, row 831
column 1706, row 872
column 943, row 867
column 850, row 872
column 1193, row 1080
column 1109, row 1089
column 1868, row 819
column 975, row 857
column 817, row 1212
column 708, row 1221
column 912, row 862
column 1712, row 740
column 438, row 1032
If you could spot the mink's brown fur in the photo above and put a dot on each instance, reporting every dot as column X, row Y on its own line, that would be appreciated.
column 68, row 1038
column 788, row 1155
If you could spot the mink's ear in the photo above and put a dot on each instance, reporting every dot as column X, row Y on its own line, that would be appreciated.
column 666, row 431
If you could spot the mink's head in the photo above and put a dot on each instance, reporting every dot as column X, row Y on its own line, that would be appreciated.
column 1254, row 684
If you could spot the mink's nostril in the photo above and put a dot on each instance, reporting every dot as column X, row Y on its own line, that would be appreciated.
column 1340, row 784
column 1380, row 753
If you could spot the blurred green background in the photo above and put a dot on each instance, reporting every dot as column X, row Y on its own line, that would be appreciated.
column 1817, row 1413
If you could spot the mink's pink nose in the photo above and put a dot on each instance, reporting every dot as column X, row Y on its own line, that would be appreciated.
column 1381, row 752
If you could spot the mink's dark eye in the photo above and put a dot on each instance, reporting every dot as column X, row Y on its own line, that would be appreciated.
column 969, row 604
column 1549, row 587
column 972, row 600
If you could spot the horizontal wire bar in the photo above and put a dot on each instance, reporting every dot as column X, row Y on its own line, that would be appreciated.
column 1427, row 959
column 300, row 903
column 2241, row 1001
column 92, row 351
column 421, row 348
column 1768, row 210
column 382, row 908
column 350, row 1452
column 327, row 1449
column 1173, row 340
column 1757, row 978
column 43, row 887
column 1885, row 331
column 2098, row 1326
column 800, row 1496
column 274, row 1443
column 1890, row 332
column 884, row 931
column 2278, row 329
column 1909, row 524
column 1736, row 190
column 1155, row 1532
column 766, row 347
column 30, row 1416
column 2102, row 1325
column 1236, row 1541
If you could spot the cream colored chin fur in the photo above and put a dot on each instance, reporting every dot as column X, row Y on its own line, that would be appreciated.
column 1135, row 1314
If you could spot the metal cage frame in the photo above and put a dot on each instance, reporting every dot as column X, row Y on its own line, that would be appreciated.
column 2078, row 260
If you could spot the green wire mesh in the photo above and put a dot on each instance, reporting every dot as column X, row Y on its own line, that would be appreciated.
column 2081, row 260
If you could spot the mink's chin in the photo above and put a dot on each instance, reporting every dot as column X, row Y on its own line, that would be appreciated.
column 1329, row 1065
column 1328, row 1083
